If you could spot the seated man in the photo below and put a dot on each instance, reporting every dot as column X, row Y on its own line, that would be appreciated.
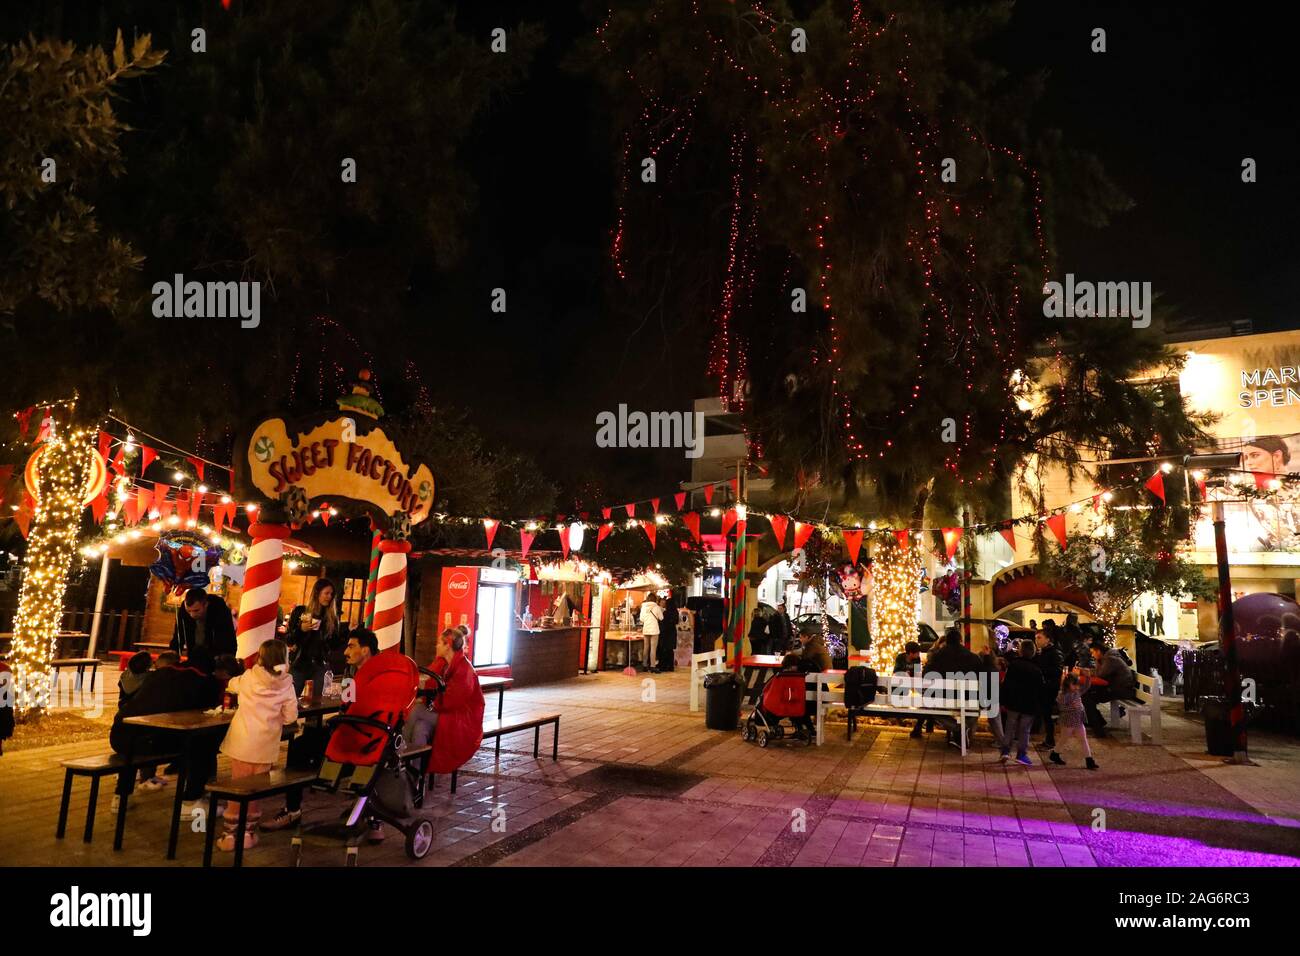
column 813, row 654
column 1111, row 680
column 909, row 663
column 452, row 720
column 951, row 661
column 170, row 687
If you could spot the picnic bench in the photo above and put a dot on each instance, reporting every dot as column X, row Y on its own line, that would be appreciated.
column 80, row 664
column 243, row 790
column 499, row 728
column 710, row 662
column 97, row 768
column 1144, row 703
column 901, row 695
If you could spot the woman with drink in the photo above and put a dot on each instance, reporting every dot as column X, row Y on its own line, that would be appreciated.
column 314, row 636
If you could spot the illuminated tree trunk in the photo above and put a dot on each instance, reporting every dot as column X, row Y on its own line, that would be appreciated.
column 51, row 546
column 896, row 583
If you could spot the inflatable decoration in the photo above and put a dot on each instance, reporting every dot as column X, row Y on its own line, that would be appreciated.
column 184, row 560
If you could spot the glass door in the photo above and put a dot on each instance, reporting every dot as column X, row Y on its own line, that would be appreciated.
column 496, row 618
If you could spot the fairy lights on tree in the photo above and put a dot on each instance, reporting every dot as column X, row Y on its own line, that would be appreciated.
column 896, row 578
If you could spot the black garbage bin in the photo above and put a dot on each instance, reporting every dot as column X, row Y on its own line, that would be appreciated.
column 1219, row 738
column 722, row 701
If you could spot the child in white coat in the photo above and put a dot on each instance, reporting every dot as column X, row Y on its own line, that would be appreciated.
column 266, row 703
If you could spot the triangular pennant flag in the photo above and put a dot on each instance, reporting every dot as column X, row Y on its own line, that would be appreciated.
column 649, row 527
column 147, row 455
column 603, row 532
column 182, row 504
column 604, row 513
column 1096, row 504
column 853, row 541
column 1200, row 485
column 631, row 509
column 24, row 420
column 802, row 532
column 24, row 515
column 490, row 526
column 198, row 465
column 902, row 537
column 564, row 540
column 584, row 515
column 526, row 541
column 1262, row 478
column 708, row 494
column 654, row 504
column 116, row 463
column 1156, row 485
column 143, row 499
column 680, row 498
column 131, row 510
column 1008, row 533
column 105, row 442
column 1056, row 524
column 218, row 517
column 231, row 508
column 728, row 519
column 951, row 538
column 692, row 522
column 99, row 505
column 779, row 525
column 735, row 488
column 324, row 513
column 160, row 502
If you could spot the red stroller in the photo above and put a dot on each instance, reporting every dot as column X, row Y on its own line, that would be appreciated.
column 784, row 698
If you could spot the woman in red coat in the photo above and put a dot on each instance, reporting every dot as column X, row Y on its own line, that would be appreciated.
column 458, row 710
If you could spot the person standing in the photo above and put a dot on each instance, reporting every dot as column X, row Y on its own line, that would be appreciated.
column 1022, row 693
column 1050, row 665
column 759, row 634
column 316, row 635
column 785, row 629
column 668, row 635
column 651, row 617
column 203, row 620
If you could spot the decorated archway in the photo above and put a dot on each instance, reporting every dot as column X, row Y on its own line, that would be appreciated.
column 1020, row 584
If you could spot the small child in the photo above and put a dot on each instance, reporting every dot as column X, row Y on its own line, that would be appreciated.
column 267, row 702
column 1073, row 722
column 137, row 669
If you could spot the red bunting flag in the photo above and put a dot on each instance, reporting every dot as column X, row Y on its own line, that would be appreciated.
column 951, row 538
column 708, row 494
column 147, row 455
column 1056, row 524
column 24, row 515
column 564, row 540
column 198, row 465
column 1096, row 504
column 853, row 541
column 735, row 488
column 654, row 504
column 604, row 513
column 105, row 442
column 1008, row 533
column 631, row 509
column 603, row 533
column 324, row 512
column 231, row 508
column 6, row 472
column 648, row 526
column 1262, row 478
column 728, row 519
column 526, row 541
column 779, row 525
column 490, row 526
column 218, row 517
column 143, row 499
column 160, row 502
column 692, row 522
column 584, row 515
column 680, row 498
column 1156, row 485
column 116, row 463
column 99, row 505
column 1200, row 485
column 182, row 504
column 131, row 510
column 24, row 420
column 802, row 532
column 902, row 538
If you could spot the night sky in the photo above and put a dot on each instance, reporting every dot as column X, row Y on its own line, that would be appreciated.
column 1181, row 96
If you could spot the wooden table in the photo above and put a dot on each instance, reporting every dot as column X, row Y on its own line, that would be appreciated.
column 80, row 663
column 151, row 647
column 487, row 685
column 633, row 639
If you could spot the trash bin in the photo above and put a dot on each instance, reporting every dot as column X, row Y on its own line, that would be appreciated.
column 722, row 701
column 1219, row 738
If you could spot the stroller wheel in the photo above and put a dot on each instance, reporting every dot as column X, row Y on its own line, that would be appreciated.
column 419, row 839
column 762, row 738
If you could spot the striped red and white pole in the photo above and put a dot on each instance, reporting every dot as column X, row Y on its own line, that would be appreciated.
column 368, row 611
column 390, row 593
column 261, row 596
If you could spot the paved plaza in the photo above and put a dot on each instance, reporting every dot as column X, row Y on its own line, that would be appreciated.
column 643, row 783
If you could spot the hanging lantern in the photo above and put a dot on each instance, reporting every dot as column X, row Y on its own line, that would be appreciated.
column 575, row 536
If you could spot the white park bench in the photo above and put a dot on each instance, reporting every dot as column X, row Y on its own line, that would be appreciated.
column 1146, row 703
column 710, row 662
column 901, row 695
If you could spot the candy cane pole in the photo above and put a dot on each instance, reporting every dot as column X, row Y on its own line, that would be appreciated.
column 390, row 593
column 261, row 596
column 368, row 614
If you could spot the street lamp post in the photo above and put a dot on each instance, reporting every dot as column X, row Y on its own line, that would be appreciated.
column 1228, row 640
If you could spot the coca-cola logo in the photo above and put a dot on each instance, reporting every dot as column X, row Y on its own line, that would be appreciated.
column 458, row 585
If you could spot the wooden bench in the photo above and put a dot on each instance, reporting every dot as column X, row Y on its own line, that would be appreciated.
column 242, row 790
column 97, row 768
column 499, row 728
column 710, row 662
column 80, row 664
column 900, row 695
column 1146, row 703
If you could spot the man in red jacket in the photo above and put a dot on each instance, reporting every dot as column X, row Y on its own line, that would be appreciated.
column 453, row 719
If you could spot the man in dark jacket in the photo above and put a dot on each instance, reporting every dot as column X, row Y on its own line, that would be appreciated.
column 785, row 629
column 814, row 658
column 1021, row 695
column 953, row 660
column 203, row 620
column 908, row 663
column 1112, row 680
column 1050, row 665
column 171, row 687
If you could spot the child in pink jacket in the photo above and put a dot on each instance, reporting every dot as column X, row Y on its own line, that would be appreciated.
column 266, row 703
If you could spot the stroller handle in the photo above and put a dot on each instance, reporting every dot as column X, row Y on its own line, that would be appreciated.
column 359, row 721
